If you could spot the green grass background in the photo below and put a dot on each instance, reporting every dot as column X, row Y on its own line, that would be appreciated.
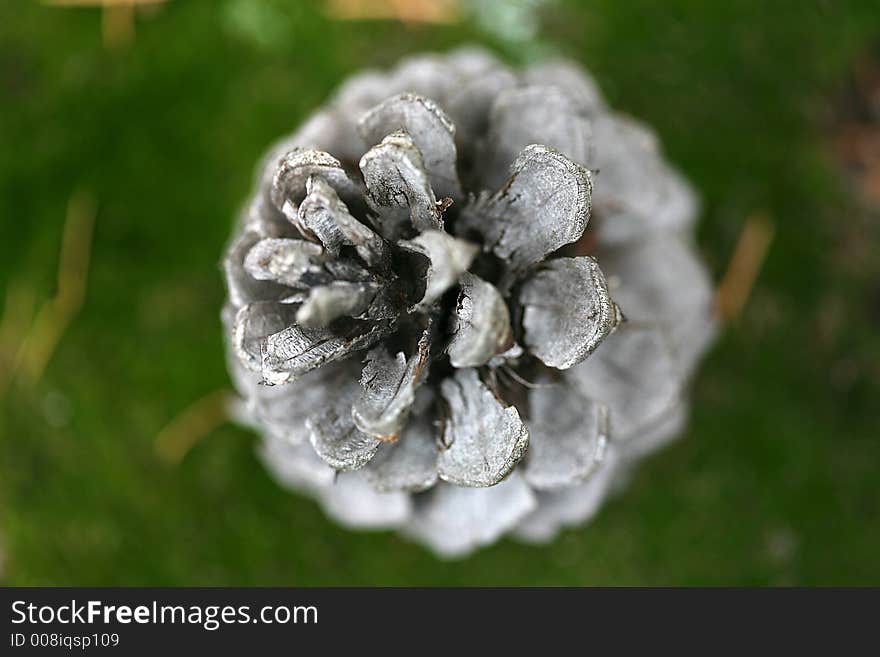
column 776, row 479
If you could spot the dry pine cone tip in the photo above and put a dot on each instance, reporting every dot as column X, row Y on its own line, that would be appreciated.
column 441, row 321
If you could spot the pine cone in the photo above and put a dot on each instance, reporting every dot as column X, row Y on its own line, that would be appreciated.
column 418, row 322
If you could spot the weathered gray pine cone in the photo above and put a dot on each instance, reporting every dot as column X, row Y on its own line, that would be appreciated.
column 419, row 325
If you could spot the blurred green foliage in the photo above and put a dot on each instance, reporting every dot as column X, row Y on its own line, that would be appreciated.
column 775, row 481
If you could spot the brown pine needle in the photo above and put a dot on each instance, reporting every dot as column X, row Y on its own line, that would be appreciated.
column 56, row 314
column 18, row 313
column 405, row 11
column 742, row 272
column 117, row 25
column 117, row 17
column 195, row 422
